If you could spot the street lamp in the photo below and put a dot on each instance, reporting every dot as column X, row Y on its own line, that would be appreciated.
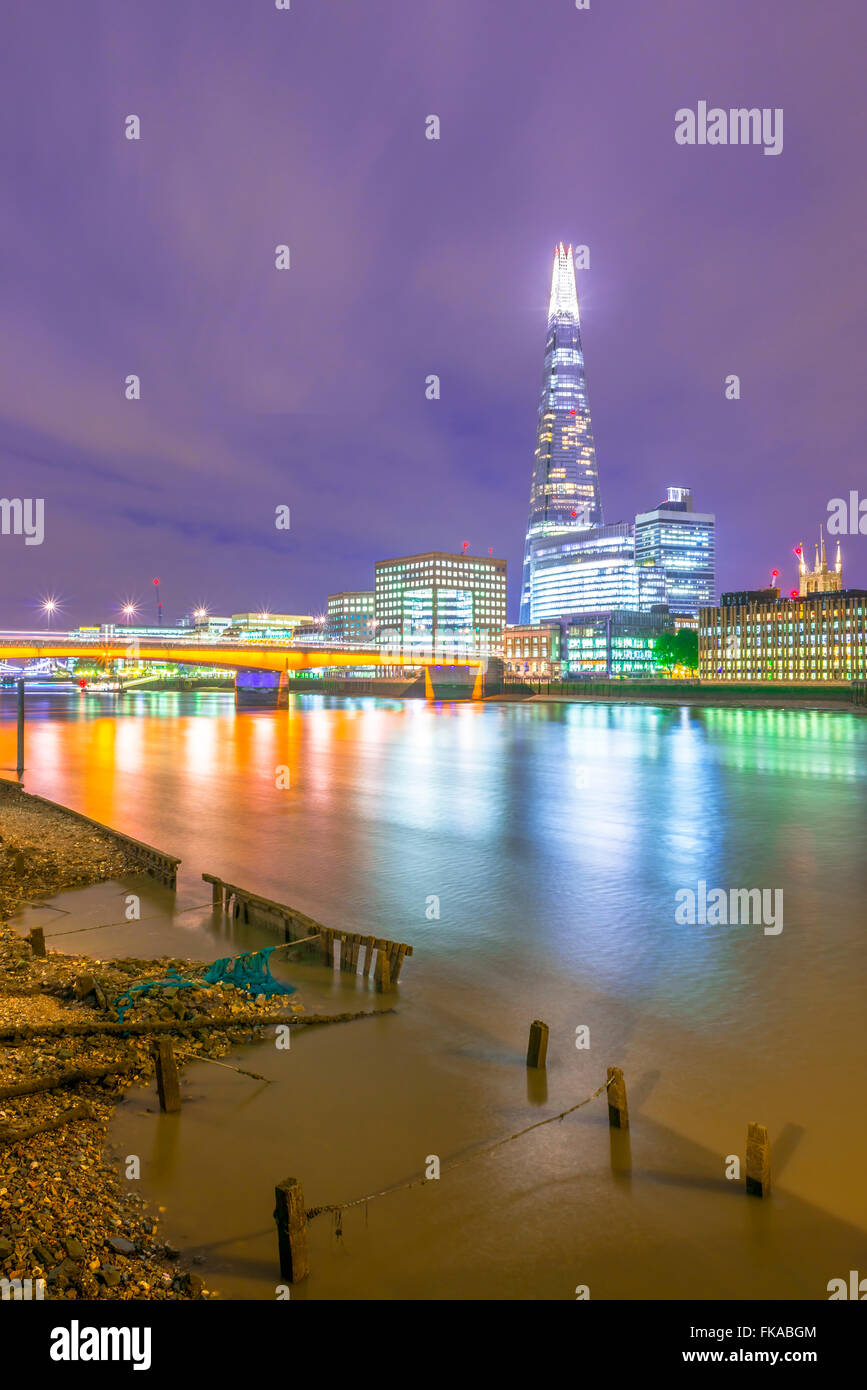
column 129, row 611
column 49, row 606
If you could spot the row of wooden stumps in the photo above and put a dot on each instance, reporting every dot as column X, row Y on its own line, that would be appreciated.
column 758, row 1166
column 386, row 957
column 290, row 1213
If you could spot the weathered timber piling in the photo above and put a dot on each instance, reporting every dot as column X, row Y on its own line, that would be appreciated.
column 36, row 937
column 349, row 956
column 293, row 925
column 168, row 1085
column 618, row 1113
column 291, row 1221
column 537, row 1047
column 382, row 972
column 369, row 945
column 758, row 1160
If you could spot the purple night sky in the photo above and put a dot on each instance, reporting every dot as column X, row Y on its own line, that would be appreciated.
column 412, row 257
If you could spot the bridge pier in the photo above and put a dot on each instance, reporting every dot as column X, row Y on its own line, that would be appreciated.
column 261, row 689
column 446, row 682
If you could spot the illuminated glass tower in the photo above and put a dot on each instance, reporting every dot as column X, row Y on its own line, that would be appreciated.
column 564, row 495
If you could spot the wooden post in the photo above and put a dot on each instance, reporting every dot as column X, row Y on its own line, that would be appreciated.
column 369, row 947
column 537, row 1047
column 168, row 1086
column 401, row 952
column 291, row 1221
column 37, row 941
column 618, row 1113
column 328, row 948
column 217, row 895
column 20, row 727
column 382, row 973
column 758, row 1160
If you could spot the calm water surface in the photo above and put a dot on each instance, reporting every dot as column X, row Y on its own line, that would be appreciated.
column 551, row 839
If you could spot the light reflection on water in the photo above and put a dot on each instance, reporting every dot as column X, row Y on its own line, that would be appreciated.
column 555, row 837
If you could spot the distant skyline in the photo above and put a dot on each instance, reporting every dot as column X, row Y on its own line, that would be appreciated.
column 412, row 257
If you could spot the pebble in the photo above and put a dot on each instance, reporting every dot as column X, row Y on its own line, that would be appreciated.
column 62, row 1203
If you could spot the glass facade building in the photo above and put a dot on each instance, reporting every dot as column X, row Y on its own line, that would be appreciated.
column 564, row 494
column 612, row 644
column 678, row 543
column 267, row 627
column 351, row 616
column 441, row 604
column 593, row 572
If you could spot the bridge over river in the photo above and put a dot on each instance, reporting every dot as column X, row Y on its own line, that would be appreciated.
column 262, row 669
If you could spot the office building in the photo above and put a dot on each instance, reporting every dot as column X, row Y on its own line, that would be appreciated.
column 351, row 616
column 441, row 604
column 761, row 637
column 591, row 573
column 259, row 627
column 678, row 543
column 532, row 651
column 564, row 493
column 612, row 644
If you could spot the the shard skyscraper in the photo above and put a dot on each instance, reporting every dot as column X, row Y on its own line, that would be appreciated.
column 564, row 496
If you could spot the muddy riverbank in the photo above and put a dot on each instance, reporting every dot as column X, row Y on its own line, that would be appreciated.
column 66, row 1217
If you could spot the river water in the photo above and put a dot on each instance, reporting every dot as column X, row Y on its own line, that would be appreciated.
column 531, row 853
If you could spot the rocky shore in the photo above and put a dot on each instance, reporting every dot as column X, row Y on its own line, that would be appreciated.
column 68, row 1216
column 42, row 851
